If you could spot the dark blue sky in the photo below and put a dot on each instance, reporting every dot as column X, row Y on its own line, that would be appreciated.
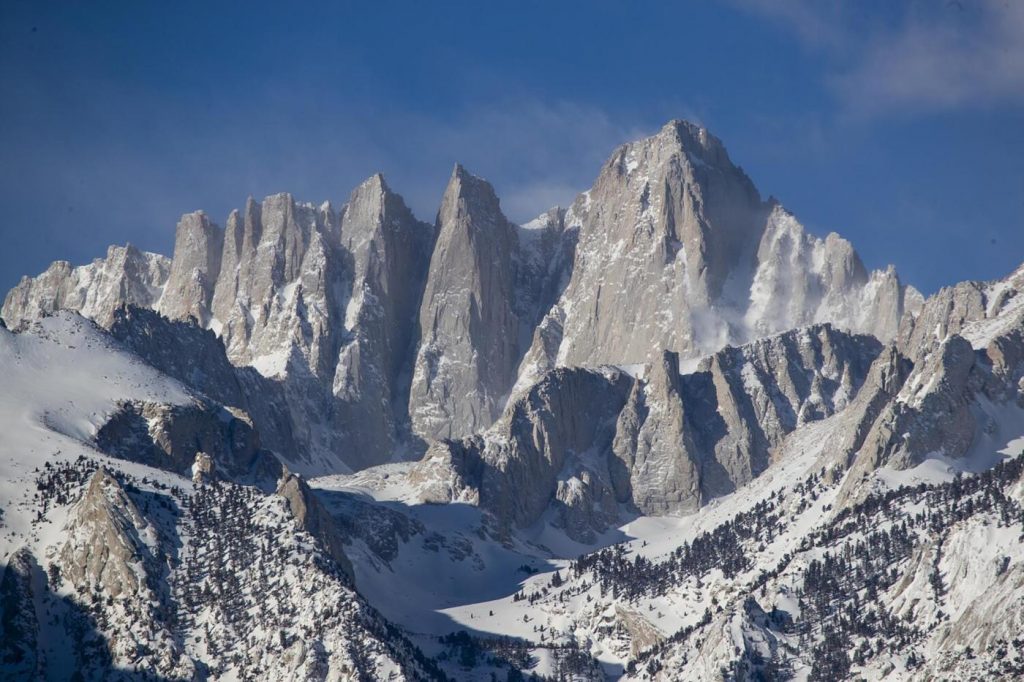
column 899, row 125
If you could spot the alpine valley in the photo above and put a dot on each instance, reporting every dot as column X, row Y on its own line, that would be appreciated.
column 662, row 434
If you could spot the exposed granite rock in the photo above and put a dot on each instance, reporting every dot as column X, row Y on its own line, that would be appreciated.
column 588, row 444
column 203, row 469
column 109, row 555
column 311, row 516
column 676, row 251
column 188, row 291
column 390, row 253
column 96, row 290
column 372, row 334
column 654, row 445
column 468, row 352
column 801, row 279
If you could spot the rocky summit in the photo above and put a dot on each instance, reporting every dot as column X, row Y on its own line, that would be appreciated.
column 664, row 433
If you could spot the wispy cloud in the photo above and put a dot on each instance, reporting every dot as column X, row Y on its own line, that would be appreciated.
column 912, row 57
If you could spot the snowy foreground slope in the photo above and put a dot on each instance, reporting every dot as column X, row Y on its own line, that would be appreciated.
column 663, row 435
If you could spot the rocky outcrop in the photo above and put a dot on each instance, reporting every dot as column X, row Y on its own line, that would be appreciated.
column 676, row 251
column 170, row 437
column 978, row 311
column 656, row 464
column 557, row 434
column 96, row 290
column 802, row 279
column 109, row 556
column 310, row 515
column 584, row 444
column 664, row 226
column 283, row 288
column 550, row 445
column 685, row 439
column 105, row 546
column 945, row 386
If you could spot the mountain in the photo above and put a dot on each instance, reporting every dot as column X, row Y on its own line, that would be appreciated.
column 384, row 333
column 664, row 433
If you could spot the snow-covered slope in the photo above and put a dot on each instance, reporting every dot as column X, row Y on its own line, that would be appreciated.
column 115, row 570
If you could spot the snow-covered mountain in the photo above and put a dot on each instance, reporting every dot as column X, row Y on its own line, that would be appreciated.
column 384, row 333
column 662, row 434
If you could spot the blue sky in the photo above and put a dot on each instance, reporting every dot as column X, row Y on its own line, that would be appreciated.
column 898, row 125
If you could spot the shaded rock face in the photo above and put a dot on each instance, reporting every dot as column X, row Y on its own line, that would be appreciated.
column 558, row 434
column 195, row 356
column 311, row 515
column 547, row 452
column 490, row 283
column 170, row 437
column 586, row 445
column 19, row 624
column 390, row 255
column 686, row 439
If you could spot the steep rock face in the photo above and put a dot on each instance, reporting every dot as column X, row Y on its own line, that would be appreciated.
column 557, row 434
column 390, row 252
column 931, row 413
column 312, row 517
column 468, row 352
column 581, row 443
column 951, row 398
column 654, row 445
column 549, row 446
column 667, row 221
column 195, row 356
column 955, row 365
column 283, row 294
column 125, row 276
column 978, row 311
column 374, row 334
column 188, row 291
column 686, row 439
column 676, row 251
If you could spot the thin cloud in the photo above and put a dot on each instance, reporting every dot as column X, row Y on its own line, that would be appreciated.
column 950, row 61
column 913, row 57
